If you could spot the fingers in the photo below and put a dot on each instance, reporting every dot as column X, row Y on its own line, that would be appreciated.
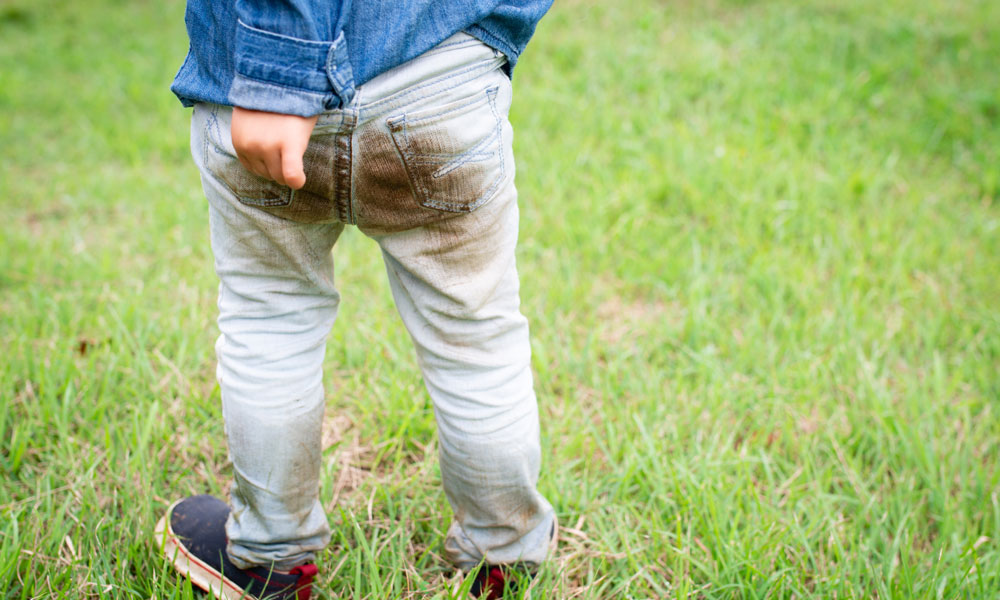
column 258, row 157
column 251, row 163
column 272, row 145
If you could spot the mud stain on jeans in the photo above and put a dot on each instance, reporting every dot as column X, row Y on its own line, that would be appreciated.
column 471, row 242
column 384, row 198
column 314, row 203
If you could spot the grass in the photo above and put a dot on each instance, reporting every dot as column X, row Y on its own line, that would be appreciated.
column 760, row 255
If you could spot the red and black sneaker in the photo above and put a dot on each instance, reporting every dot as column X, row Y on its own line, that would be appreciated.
column 493, row 582
column 193, row 536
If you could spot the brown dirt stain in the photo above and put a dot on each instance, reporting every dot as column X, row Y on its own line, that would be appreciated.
column 384, row 198
column 312, row 204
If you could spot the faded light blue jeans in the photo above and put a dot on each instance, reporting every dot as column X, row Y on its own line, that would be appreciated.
column 421, row 162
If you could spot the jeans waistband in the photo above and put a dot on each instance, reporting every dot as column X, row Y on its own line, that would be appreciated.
column 457, row 60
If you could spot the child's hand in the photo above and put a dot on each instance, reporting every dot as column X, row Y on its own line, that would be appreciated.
column 272, row 144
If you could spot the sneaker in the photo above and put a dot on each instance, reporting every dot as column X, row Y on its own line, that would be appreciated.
column 193, row 536
column 493, row 582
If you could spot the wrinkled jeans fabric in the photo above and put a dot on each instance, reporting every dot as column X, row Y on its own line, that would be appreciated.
column 421, row 162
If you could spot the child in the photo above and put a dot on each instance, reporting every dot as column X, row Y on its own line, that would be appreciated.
column 390, row 116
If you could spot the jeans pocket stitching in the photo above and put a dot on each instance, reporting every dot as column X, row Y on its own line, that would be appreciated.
column 281, row 199
column 399, row 127
column 285, row 199
column 473, row 155
column 282, row 196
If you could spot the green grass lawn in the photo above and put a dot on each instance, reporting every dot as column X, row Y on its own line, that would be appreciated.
column 761, row 259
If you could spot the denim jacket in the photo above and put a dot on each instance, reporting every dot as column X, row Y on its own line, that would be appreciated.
column 304, row 57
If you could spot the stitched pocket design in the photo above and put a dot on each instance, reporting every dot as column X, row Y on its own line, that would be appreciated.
column 312, row 204
column 254, row 190
column 453, row 153
column 250, row 189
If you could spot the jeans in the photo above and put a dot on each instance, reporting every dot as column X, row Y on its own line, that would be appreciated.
column 421, row 162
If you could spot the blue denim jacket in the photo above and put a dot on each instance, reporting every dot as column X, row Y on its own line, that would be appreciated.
column 304, row 57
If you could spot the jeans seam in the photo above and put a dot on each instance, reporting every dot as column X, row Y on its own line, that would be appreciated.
column 212, row 121
column 344, row 164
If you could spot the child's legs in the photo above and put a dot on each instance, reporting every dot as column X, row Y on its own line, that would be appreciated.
column 277, row 302
column 453, row 276
column 455, row 284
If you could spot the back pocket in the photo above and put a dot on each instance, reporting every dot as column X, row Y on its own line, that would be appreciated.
column 453, row 153
column 313, row 203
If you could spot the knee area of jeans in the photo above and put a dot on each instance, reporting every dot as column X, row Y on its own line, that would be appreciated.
column 269, row 375
column 273, row 354
column 495, row 455
column 289, row 358
column 470, row 315
column 273, row 406
column 293, row 403
column 265, row 304
column 480, row 394
column 497, row 353
column 486, row 412
column 501, row 371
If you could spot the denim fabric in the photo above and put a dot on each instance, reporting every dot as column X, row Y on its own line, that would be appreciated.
column 421, row 161
column 306, row 56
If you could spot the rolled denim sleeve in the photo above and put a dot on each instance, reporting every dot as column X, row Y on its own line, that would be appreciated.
column 291, row 56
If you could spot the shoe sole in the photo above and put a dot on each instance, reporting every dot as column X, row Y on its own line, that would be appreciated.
column 201, row 575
